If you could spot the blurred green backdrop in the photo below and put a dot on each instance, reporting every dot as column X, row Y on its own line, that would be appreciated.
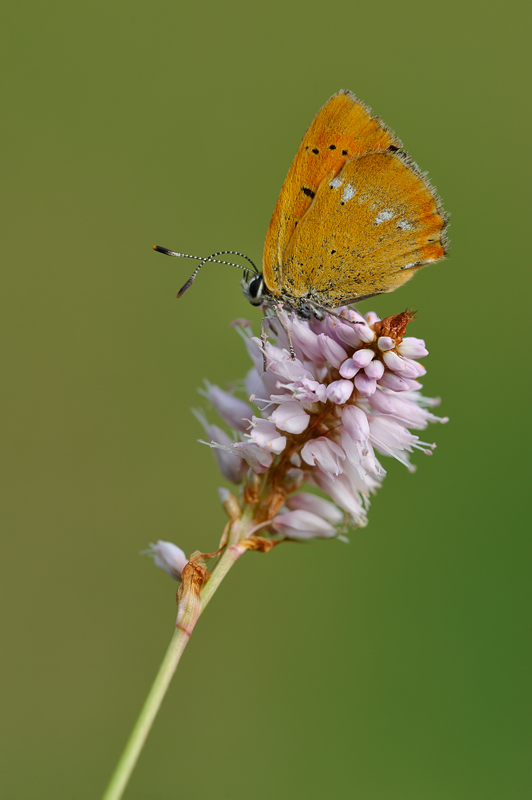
column 130, row 124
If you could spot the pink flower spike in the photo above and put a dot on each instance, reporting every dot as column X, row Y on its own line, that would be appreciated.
column 366, row 386
column 237, row 413
column 363, row 357
column 316, row 505
column 348, row 369
column 301, row 524
column 333, row 352
column 291, row 417
column 325, row 454
column 339, row 392
column 168, row 556
column 374, row 370
column 385, row 343
column 412, row 347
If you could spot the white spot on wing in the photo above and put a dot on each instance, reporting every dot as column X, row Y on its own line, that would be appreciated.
column 404, row 225
column 335, row 183
column 348, row 193
column 383, row 216
column 409, row 266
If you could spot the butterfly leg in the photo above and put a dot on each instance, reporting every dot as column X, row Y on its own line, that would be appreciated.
column 320, row 311
column 263, row 340
column 264, row 334
column 285, row 329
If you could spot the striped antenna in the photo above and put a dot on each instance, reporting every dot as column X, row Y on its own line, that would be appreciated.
column 208, row 259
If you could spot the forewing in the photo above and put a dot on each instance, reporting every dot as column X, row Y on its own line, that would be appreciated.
column 367, row 231
column 341, row 130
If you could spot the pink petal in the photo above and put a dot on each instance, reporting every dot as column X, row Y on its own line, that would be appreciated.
column 375, row 370
column 232, row 410
column 302, row 524
column 291, row 417
column 412, row 347
column 317, row 505
column 323, row 453
column 339, row 392
column 366, row 386
column 394, row 362
column 363, row 357
column 348, row 369
column 385, row 343
column 333, row 352
column 392, row 381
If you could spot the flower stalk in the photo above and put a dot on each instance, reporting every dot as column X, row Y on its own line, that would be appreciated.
column 194, row 594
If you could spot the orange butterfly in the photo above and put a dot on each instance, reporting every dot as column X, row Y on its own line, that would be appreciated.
column 355, row 217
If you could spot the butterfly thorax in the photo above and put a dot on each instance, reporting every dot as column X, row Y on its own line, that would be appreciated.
column 257, row 293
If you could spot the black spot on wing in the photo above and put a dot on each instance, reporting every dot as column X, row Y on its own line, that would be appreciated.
column 308, row 192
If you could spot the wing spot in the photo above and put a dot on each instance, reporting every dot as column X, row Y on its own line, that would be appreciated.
column 344, row 152
column 393, row 148
column 315, row 150
column 333, row 252
column 383, row 216
column 308, row 192
column 335, row 183
column 348, row 193
column 332, row 147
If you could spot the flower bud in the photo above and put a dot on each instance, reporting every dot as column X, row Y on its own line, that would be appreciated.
column 170, row 557
column 302, row 524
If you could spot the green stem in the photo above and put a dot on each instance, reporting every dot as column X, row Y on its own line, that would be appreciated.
column 179, row 641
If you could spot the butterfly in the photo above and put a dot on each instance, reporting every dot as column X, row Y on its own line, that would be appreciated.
column 355, row 217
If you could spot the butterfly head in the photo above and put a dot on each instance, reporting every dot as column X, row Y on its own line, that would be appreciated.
column 254, row 289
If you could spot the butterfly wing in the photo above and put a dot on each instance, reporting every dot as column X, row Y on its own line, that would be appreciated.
column 341, row 130
column 368, row 229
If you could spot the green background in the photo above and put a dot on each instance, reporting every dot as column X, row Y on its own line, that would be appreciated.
column 392, row 668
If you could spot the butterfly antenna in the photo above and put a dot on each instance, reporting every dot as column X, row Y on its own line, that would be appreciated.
column 208, row 259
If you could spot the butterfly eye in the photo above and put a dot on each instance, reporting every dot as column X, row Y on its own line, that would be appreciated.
column 253, row 290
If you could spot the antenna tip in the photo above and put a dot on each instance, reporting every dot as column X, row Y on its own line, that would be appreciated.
column 154, row 247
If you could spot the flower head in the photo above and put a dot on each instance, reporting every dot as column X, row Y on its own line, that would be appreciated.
column 323, row 418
